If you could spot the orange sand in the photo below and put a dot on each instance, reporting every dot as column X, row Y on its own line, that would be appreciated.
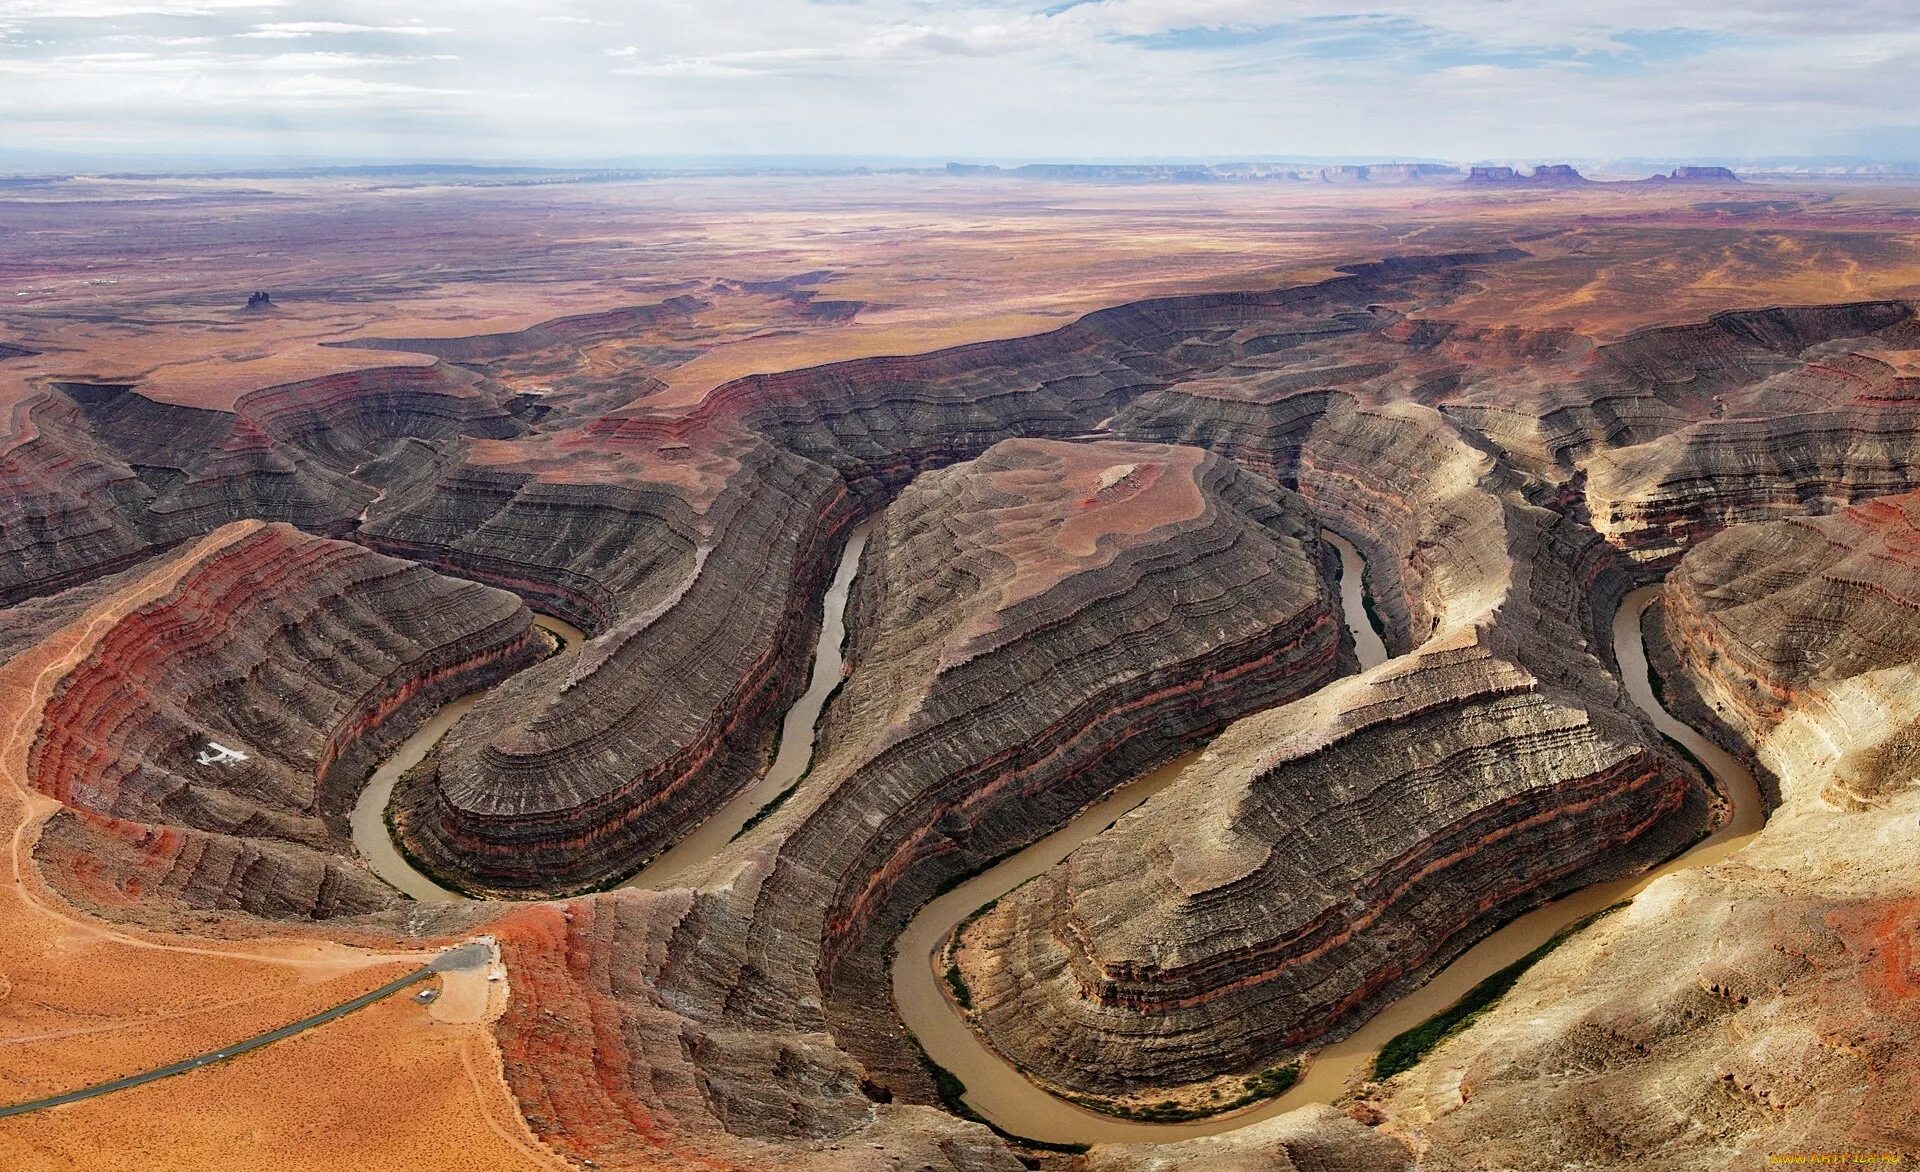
column 82, row 1002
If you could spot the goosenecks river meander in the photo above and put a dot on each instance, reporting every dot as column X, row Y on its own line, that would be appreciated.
column 995, row 1089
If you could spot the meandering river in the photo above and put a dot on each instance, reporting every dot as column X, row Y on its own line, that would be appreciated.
column 998, row 1092
column 995, row 1089
column 375, row 842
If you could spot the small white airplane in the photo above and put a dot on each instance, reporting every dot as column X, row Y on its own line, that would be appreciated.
column 218, row 754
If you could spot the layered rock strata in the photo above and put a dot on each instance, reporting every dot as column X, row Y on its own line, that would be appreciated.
column 691, row 538
column 581, row 771
column 226, row 728
column 1798, row 637
column 1029, row 630
column 1763, row 1005
column 98, row 475
column 1379, row 827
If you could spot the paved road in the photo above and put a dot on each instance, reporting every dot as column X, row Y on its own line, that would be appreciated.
column 464, row 957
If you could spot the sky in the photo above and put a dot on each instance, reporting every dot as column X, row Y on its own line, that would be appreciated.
column 586, row 80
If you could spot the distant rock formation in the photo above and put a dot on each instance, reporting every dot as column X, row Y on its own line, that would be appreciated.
column 973, row 168
column 1545, row 175
column 259, row 299
column 1697, row 175
column 1409, row 172
column 1122, row 173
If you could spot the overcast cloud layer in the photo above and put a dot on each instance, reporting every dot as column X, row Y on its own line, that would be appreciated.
column 594, row 79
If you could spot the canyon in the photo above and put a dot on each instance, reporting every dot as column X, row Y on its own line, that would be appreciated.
column 846, row 716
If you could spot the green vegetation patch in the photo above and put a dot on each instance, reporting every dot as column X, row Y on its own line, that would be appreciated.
column 957, row 981
column 1406, row 1050
column 1254, row 1088
column 766, row 811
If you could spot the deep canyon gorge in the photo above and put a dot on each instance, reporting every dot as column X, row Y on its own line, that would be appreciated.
column 1081, row 745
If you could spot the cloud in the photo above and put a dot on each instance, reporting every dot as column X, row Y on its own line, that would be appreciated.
column 1445, row 78
column 121, row 9
column 286, row 30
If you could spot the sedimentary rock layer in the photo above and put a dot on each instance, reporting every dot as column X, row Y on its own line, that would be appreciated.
column 1314, row 1139
column 1029, row 630
column 1800, row 636
column 1323, row 856
column 97, row 476
column 309, row 657
column 1763, row 1005
column 1000, row 682
column 1377, row 827
column 582, row 770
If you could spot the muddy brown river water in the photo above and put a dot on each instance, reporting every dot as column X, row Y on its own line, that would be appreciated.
column 998, row 1092
column 995, row 1089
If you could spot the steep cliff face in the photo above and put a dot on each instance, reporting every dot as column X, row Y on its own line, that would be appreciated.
column 579, row 772
column 1035, row 623
column 308, row 658
column 1799, row 636
column 1029, row 630
column 1379, row 827
column 1763, row 1005
column 1814, row 424
column 101, row 475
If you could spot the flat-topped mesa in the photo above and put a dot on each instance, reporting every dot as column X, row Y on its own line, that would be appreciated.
column 1028, row 631
column 215, row 739
column 702, row 594
column 1544, row 175
column 1800, row 636
column 1697, row 174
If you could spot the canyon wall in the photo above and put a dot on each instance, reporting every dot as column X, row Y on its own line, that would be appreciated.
column 310, row 657
column 1762, row 1005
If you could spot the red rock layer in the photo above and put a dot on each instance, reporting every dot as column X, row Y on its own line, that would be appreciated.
column 1817, row 617
column 1029, row 630
column 312, row 657
column 578, row 773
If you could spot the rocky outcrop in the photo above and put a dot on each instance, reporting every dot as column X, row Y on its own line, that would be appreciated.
column 1029, row 630
column 1799, row 637
column 225, row 729
column 100, row 475
column 1379, row 827
column 1798, row 420
column 583, row 770
column 1544, row 175
column 1720, row 176
column 1035, row 623
column 1762, row 1006
column 1314, row 1139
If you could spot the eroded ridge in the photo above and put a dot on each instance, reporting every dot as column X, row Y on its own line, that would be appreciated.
column 1099, row 609
column 1323, row 856
column 1763, row 992
column 1037, row 621
column 208, row 749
